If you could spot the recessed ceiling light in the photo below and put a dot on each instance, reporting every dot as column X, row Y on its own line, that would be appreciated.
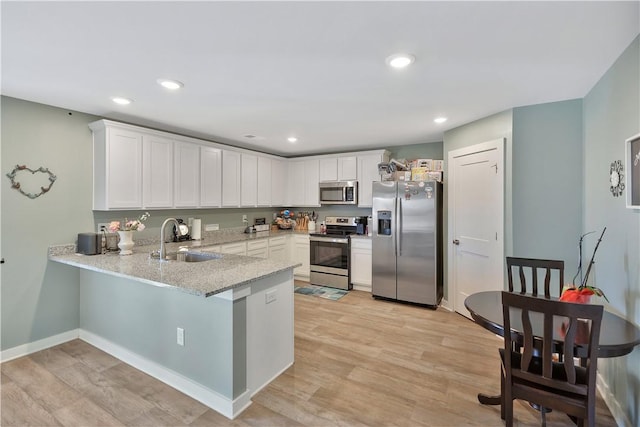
column 170, row 84
column 440, row 120
column 400, row 60
column 121, row 101
column 292, row 139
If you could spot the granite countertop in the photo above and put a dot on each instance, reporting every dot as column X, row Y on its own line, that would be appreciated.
column 205, row 278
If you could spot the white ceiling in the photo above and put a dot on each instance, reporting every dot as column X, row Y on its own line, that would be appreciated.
column 315, row 70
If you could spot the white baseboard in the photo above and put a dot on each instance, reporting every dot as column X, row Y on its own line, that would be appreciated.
column 612, row 403
column 227, row 407
column 43, row 344
column 254, row 392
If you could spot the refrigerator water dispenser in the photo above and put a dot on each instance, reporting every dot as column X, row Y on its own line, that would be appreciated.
column 384, row 223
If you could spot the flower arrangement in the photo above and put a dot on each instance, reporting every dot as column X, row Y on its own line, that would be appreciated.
column 129, row 225
column 583, row 293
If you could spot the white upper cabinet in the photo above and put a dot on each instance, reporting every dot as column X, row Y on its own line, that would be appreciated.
column 279, row 186
column 347, row 168
column 341, row 168
column 230, row 178
column 367, row 173
column 210, row 177
column 157, row 172
column 312, row 181
column 117, row 167
column 328, row 169
column 187, row 175
column 296, row 183
column 249, row 180
column 303, row 183
column 265, row 176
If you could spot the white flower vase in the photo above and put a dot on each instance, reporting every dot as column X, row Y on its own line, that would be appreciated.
column 126, row 242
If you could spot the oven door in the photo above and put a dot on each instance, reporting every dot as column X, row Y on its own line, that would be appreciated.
column 330, row 263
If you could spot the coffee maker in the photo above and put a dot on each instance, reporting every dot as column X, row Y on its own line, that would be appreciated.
column 361, row 225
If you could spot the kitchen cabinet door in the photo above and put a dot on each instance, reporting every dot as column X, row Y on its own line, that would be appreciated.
column 367, row 174
column 328, row 169
column 347, row 168
column 117, row 169
column 361, row 264
column 312, row 182
column 249, row 180
column 278, row 248
column 157, row 172
column 301, row 253
column 187, row 175
column 296, row 183
column 279, row 186
column 238, row 248
column 258, row 248
column 230, row 178
column 210, row 177
column 264, row 178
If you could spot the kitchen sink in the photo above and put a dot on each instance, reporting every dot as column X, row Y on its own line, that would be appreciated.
column 193, row 256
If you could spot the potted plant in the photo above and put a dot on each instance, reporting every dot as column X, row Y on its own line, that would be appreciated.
column 583, row 292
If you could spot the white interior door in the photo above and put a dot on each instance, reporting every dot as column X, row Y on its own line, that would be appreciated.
column 476, row 221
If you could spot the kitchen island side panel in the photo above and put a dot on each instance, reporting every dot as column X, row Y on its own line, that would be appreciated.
column 144, row 319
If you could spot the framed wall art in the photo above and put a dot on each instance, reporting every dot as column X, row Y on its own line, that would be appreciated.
column 632, row 154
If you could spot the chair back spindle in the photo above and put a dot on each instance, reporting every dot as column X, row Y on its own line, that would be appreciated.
column 534, row 266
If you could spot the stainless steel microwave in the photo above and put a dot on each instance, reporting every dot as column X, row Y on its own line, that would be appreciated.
column 339, row 193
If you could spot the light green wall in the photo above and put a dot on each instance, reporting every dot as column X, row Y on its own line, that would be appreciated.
column 41, row 299
column 547, row 176
column 611, row 115
column 429, row 150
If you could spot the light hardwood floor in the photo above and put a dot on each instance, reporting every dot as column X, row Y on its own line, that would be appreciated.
column 358, row 362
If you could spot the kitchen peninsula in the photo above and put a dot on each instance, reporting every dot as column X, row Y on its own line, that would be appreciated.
column 218, row 330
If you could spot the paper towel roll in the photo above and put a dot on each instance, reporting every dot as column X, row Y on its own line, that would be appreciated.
column 196, row 229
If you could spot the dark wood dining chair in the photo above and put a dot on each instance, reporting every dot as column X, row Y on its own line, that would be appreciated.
column 530, row 268
column 562, row 386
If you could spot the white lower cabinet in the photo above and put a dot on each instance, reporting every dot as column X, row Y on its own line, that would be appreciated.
column 278, row 248
column 361, row 264
column 258, row 248
column 301, row 253
column 237, row 248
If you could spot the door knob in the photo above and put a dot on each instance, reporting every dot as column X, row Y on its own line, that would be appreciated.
column 456, row 242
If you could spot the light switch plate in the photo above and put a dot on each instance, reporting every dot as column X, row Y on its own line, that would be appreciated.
column 271, row 296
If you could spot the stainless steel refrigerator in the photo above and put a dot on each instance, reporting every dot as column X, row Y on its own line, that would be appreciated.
column 407, row 241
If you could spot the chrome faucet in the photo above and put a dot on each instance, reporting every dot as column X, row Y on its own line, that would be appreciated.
column 163, row 249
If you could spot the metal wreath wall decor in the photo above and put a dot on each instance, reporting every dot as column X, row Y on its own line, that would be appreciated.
column 16, row 184
column 616, row 178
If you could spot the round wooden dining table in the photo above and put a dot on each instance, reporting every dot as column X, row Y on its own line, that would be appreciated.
column 618, row 336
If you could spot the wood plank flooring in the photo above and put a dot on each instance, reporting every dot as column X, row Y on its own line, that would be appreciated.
column 358, row 362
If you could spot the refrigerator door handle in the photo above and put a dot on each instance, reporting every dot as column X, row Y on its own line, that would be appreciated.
column 394, row 231
column 399, row 231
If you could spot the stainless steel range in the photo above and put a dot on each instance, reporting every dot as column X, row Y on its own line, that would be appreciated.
column 331, row 253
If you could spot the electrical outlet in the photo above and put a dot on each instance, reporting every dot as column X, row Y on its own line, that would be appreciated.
column 271, row 296
column 102, row 225
column 180, row 336
column 211, row 227
column 244, row 219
